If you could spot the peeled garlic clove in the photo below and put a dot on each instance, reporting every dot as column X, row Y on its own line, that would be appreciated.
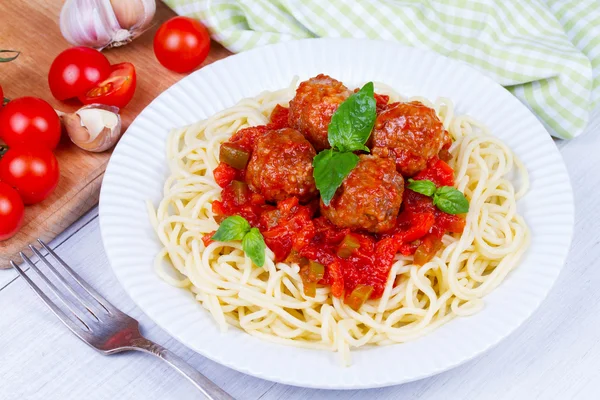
column 105, row 23
column 94, row 128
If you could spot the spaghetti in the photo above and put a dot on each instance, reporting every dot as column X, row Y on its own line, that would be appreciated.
column 269, row 302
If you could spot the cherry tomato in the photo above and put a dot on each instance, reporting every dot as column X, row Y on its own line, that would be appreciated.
column 29, row 120
column 12, row 211
column 32, row 171
column 181, row 44
column 75, row 71
column 116, row 90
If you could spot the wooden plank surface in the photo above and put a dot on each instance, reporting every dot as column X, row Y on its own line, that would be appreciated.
column 81, row 172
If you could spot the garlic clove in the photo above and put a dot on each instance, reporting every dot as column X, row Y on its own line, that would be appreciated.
column 94, row 128
column 77, row 133
column 127, row 12
column 105, row 23
column 88, row 23
column 149, row 11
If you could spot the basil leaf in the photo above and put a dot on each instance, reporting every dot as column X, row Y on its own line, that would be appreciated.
column 232, row 228
column 351, row 124
column 254, row 246
column 450, row 200
column 424, row 186
column 330, row 169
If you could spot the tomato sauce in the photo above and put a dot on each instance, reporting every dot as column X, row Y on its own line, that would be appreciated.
column 297, row 233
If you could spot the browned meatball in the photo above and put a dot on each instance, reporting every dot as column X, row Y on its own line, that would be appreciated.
column 369, row 198
column 311, row 109
column 411, row 133
column 281, row 166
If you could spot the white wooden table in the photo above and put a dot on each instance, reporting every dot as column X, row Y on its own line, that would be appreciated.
column 555, row 355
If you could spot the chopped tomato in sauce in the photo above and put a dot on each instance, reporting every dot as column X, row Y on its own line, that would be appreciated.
column 247, row 137
column 225, row 174
column 279, row 118
column 438, row 172
column 297, row 233
column 381, row 100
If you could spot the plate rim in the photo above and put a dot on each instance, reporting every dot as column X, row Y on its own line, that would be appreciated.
column 360, row 385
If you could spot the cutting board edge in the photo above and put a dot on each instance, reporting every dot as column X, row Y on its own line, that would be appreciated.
column 82, row 201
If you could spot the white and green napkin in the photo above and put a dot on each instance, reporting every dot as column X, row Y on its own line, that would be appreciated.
column 546, row 52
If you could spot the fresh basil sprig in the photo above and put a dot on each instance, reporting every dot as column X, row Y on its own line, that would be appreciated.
column 447, row 198
column 254, row 245
column 237, row 228
column 232, row 228
column 330, row 169
column 350, row 127
column 351, row 124
column 425, row 187
column 450, row 200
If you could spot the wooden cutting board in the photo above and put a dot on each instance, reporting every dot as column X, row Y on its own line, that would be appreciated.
column 31, row 26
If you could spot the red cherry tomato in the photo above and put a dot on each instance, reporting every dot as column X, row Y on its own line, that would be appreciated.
column 32, row 171
column 29, row 120
column 75, row 71
column 181, row 44
column 12, row 211
column 116, row 90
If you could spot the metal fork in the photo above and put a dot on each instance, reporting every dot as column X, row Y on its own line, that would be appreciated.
column 102, row 326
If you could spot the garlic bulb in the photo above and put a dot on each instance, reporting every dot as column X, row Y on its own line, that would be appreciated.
column 105, row 23
column 94, row 128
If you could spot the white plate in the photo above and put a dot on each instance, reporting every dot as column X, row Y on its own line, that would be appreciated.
column 137, row 170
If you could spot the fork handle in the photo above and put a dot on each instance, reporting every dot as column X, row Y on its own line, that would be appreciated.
column 208, row 388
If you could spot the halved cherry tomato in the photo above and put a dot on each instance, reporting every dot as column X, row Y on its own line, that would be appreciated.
column 116, row 90
column 75, row 71
column 30, row 121
column 12, row 211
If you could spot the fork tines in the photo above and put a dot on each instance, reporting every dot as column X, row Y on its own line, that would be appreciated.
column 83, row 302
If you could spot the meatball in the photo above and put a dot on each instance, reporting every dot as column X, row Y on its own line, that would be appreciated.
column 281, row 166
column 411, row 133
column 311, row 109
column 369, row 198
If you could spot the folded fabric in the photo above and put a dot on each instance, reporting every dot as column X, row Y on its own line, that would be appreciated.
column 547, row 53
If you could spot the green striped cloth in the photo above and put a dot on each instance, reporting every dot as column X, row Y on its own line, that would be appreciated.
column 546, row 52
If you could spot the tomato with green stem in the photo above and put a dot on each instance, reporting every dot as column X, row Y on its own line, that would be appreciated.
column 116, row 90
